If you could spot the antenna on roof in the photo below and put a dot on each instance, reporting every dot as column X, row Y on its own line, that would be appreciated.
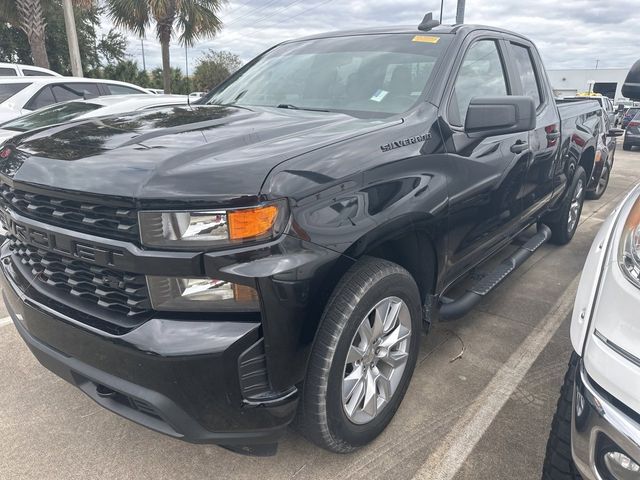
column 428, row 23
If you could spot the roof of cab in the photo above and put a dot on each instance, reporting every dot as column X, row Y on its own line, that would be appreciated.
column 409, row 29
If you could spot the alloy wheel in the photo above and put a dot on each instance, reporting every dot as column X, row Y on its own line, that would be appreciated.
column 604, row 180
column 576, row 205
column 377, row 357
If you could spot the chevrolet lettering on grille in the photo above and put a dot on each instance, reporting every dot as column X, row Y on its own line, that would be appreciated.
column 62, row 244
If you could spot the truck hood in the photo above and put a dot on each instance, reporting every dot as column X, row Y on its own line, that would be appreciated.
column 186, row 152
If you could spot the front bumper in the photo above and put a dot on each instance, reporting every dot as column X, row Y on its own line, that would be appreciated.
column 177, row 377
column 597, row 423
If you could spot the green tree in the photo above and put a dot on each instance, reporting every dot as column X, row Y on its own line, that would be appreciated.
column 14, row 45
column 28, row 16
column 193, row 19
column 213, row 68
column 180, row 83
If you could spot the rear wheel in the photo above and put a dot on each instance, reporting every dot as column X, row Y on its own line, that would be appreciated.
column 602, row 185
column 565, row 221
column 363, row 356
column 558, row 462
column 626, row 146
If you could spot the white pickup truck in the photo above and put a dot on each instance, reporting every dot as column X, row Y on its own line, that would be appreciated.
column 596, row 430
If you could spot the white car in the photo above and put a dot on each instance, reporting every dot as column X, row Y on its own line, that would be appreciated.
column 22, row 95
column 596, row 430
column 197, row 94
column 83, row 109
column 18, row 70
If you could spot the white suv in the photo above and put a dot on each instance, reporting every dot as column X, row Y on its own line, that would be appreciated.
column 22, row 95
column 18, row 70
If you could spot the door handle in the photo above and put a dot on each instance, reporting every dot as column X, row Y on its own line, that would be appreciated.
column 519, row 147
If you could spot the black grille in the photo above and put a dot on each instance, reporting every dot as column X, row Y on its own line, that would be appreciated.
column 112, row 222
column 121, row 292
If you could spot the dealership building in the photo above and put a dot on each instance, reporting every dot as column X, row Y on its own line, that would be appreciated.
column 607, row 81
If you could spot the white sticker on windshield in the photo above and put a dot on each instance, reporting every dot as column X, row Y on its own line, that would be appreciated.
column 379, row 95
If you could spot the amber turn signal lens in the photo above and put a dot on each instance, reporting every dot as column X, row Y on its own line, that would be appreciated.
column 251, row 222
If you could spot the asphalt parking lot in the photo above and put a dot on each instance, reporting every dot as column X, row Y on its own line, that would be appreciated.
column 479, row 405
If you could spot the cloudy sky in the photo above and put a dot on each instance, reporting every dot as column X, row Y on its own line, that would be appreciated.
column 570, row 34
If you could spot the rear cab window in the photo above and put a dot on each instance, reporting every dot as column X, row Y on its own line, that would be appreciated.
column 527, row 72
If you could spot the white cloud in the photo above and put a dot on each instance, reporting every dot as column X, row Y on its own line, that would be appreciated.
column 569, row 34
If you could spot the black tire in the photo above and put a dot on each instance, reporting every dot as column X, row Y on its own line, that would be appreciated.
column 626, row 147
column 558, row 462
column 561, row 234
column 322, row 418
column 602, row 184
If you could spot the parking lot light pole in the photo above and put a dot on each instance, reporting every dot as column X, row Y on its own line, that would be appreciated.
column 460, row 12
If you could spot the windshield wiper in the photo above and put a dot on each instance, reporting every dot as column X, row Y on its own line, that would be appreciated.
column 294, row 107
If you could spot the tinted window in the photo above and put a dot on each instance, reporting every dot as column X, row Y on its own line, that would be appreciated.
column 10, row 89
column 35, row 73
column 368, row 75
column 528, row 78
column 8, row 72
column 74, row 91
column 481, row 75
column 122, row 90
column 50, row 116
column 44, row 98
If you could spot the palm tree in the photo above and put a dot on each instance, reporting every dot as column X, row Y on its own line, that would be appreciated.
column 194, row 19
column 27, row 15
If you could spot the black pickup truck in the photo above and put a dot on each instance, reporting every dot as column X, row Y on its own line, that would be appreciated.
column 274, row 252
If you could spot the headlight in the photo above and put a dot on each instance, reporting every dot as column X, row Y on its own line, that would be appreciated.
column 211, row 229
column 200, row 295
column 629, row 251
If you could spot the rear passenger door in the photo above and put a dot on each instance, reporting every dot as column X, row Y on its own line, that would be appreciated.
column 537, row 189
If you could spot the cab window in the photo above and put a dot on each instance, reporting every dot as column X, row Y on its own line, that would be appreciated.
column 528, row 77
column 481, row 75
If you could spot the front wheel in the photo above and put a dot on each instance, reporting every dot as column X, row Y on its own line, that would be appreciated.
column 565, row 222
column 363, row 356
column 626, row 147
column 602, row 185
column 558, row 462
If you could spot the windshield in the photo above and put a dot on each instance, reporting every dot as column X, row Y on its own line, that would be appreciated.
column 59, row 113
column 367, row 75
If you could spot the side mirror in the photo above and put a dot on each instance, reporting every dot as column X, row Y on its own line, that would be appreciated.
column 615, row 132
column 631, row 87
column 489, row 116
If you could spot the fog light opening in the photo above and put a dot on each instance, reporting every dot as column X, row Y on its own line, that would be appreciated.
column 620, row 466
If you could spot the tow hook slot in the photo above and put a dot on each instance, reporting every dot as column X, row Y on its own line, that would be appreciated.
column 105, row 392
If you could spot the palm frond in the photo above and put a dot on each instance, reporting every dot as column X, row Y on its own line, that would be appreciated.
column 130, row 14
column 198, row 19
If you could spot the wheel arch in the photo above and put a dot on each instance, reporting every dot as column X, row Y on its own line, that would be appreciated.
column 408, row 242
